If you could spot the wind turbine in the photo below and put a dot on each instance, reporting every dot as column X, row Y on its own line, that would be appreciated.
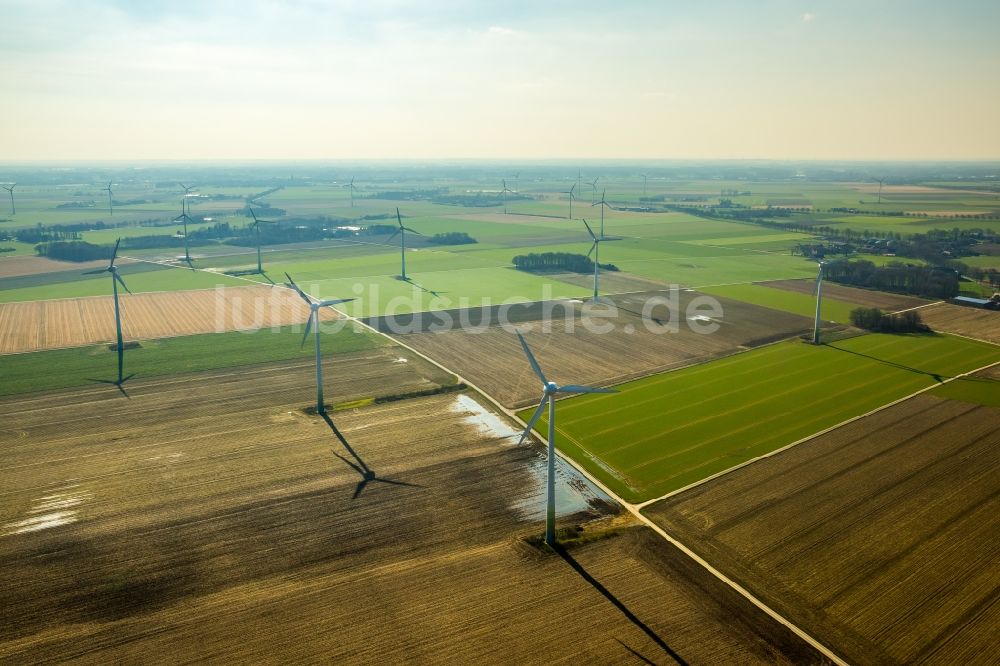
column 256, row 227
column 184, row 218
column 314, row 306
column 351, row 187
column 579, row 175
column 819, row 298
column 516, row 177
column 549, row 391
column 116, row 279
column 593, row 190
column 111, row 210
column 644, row 178
column 504, row 191
column 402, row 242
column 595, row 249
column 187, row 188
column 603, row 204
column 10, row 189
column 880, row 181
column 570, row 193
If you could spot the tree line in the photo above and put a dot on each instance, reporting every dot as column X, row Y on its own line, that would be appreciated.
column 873, row 319
column 558, row 261
column 933, row 282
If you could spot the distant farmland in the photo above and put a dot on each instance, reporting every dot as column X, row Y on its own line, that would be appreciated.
column 665, row 432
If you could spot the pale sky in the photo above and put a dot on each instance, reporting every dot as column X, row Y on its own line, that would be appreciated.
column 511, row 79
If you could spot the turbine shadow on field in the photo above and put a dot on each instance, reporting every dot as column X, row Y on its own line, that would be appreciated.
column 937, row 377
column 563, row 553
column 115, row 383
column 359, row 465
column 423, row 288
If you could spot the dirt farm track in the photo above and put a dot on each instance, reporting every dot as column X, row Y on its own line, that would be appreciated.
column 880, row 536
column 208, row 518
column 54, row 324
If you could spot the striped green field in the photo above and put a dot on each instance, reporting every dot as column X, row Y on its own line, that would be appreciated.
column 664, row 432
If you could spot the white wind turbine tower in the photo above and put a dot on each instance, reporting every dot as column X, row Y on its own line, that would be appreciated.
column 570, row 193
column 595, row 249
column 402, row 242
column 10, row 190
column 351, row 187
column 504, row 192
column 314, row 306
column 116, row 279
column 549, row 392
column 603, row 204
column 819, row 299
column 185, row 219
column 111, row 210
column 256, row 227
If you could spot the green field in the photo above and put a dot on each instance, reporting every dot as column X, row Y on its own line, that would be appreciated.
column 787, row 301
column 63, row 368
column 667, row 431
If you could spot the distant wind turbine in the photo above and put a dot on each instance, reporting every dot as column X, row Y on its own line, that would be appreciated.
column 187, row 188
column 549, row 392
column 504, row 191
column 256, row 228
column 350, row 186
column 185, row 218
column 579, row 176
column 603, row 204
column 595, row 249
column 10, row 190
column 402, row 243
column 111, row 210
column 516, row 176
column 593, row 190
column 314, row 306
column 644, row 178
column 116, row 279
column 880, row 181
column 570, row 193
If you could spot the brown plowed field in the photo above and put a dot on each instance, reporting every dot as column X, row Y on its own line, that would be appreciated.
column 861, row 297
column 208, row 519
column 75, row 322
column 971, row 322
column 879, row 538
column 492, row 359
column 17, row 266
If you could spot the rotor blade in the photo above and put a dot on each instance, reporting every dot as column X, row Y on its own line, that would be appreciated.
column 574, row 388
column 334, row 301
column 399, row 218
column 590, row 231
column 412, row 231
column 254, row 215
column 305, row 335
column 114, row 253
column 99, row 270
column 294, row 286
column 533, row 420
column 592, row 248
column 394, row 234
column 119, row 278
column 571, row 189
column 531, row 359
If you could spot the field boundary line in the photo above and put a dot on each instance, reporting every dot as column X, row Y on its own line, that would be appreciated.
column 644, row 504
column 631, row 508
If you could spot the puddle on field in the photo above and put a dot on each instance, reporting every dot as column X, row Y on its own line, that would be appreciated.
column 53, row 510
column 574, row 492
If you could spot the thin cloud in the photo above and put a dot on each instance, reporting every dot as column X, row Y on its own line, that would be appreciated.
column 808, row 17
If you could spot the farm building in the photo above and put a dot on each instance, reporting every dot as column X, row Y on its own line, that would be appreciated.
column 988, row 303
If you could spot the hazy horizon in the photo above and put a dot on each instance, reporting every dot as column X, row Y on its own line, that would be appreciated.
column 394, row 80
